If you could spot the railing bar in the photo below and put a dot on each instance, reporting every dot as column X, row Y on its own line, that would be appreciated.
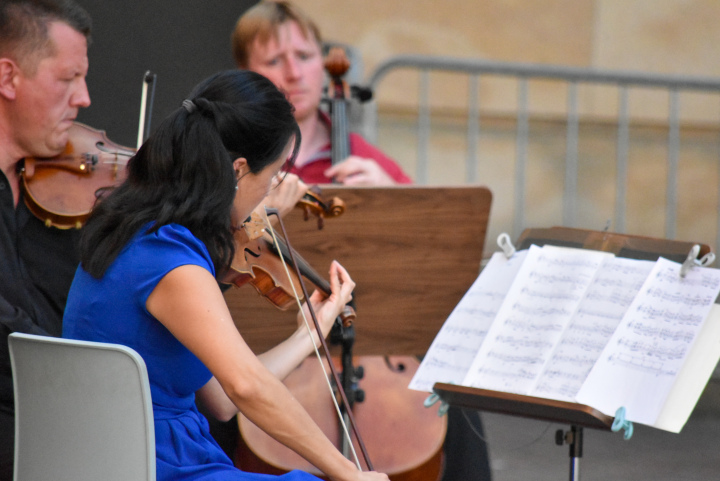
column 673, row 159
column 570, row 198
column 528, row 70
column 423, row 128
column 524, row 73
column 717, row 224
column 523, row 130
column 623, row 149
column 370, row 121
column 473, row 130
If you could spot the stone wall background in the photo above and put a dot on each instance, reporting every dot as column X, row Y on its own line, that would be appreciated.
column 677, row 37
column 661, row 36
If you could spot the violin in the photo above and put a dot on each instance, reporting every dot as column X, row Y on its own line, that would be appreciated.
column 61, row 191
column 259, row 261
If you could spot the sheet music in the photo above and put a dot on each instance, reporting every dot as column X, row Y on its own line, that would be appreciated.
column 453, row 349
column 639, row 365
column 605, row 302
column 697, row 370
column 531, row 319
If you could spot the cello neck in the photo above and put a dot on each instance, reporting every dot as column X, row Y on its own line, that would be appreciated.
column 337, row 65
column 339, row 131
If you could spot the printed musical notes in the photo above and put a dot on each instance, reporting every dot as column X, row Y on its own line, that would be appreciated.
column 608, row 297
column 639, row 365
column 458, row 341
column 539, row 305
column 579, row 326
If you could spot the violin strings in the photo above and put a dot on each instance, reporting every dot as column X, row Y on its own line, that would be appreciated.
column 315, row 347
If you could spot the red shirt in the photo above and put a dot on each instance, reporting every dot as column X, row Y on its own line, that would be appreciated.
column 312, row 172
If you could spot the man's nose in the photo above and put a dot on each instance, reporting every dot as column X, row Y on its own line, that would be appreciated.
column 81, row 98
column 292, row 69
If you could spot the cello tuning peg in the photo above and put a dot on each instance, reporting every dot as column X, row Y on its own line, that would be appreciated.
column 363, row 94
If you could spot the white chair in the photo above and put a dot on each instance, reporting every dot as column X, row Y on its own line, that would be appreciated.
column 82, row 411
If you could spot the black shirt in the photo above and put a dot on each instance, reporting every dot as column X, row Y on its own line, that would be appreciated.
column 37, row 265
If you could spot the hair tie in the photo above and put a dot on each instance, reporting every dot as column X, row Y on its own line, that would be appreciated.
column 189, row 105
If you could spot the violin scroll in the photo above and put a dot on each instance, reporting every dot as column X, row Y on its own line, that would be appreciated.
column 312, row 203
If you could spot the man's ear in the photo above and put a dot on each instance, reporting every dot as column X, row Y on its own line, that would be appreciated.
column 9, row 72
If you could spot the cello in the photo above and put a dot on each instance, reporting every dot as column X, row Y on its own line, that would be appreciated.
column 403, row 438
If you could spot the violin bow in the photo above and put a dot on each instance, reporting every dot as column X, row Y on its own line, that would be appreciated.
column 336, row 377
column 143, row 131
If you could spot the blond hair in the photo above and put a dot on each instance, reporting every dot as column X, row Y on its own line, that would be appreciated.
column 262, row 21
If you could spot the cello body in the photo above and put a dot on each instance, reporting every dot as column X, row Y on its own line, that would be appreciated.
column 403, row 438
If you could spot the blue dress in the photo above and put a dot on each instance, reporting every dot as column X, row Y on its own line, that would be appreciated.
column 112, row 309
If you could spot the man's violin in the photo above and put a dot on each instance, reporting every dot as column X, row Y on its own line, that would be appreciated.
column 61, row 191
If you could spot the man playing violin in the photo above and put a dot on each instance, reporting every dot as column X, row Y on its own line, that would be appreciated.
column 279, row 41
column 43, row 64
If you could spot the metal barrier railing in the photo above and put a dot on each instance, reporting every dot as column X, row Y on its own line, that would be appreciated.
column 572, row 76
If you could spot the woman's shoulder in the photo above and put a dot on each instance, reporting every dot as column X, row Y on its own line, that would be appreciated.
column 170, row 241
column 172, row 233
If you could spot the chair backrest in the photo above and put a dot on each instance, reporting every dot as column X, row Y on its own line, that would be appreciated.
column 82, row 411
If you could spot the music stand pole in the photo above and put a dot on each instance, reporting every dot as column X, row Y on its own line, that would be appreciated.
column 574, row 438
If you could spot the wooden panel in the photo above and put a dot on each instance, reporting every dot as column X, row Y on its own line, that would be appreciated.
column 622, row 245
column 413, row 252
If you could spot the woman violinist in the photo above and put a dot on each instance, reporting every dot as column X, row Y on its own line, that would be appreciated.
column 151, row 253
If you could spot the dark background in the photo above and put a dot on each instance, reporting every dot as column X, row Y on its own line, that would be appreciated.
column 181, row 41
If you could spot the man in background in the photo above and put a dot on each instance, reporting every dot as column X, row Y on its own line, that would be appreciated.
column 279, row 41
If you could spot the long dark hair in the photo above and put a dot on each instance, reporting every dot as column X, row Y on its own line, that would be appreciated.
column 183, row 173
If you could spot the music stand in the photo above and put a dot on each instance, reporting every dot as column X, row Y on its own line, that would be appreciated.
column 578, row 416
